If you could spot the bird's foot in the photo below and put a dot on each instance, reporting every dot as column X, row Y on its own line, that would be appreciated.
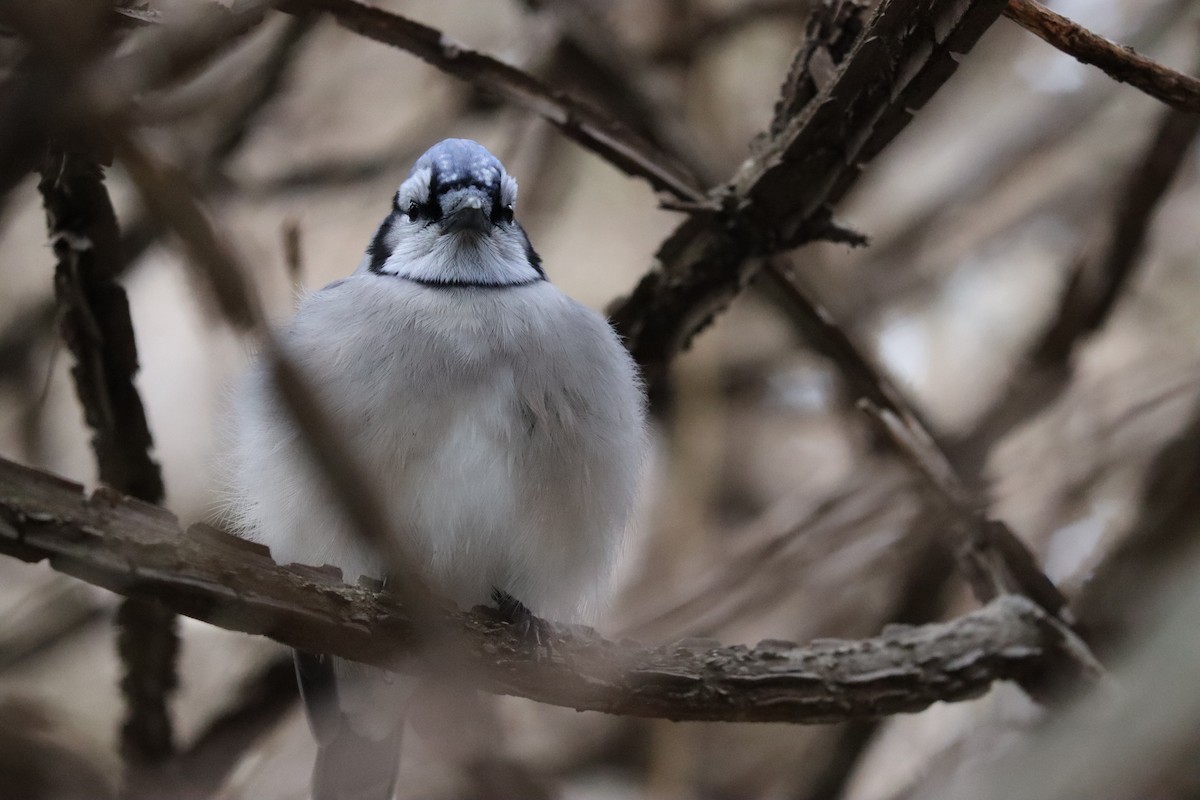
column 533, row 631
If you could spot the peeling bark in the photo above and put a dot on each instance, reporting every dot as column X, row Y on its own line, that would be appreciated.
column 138, row 550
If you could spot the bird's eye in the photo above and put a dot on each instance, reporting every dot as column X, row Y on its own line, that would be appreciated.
column 505, row 214
column 429, row 211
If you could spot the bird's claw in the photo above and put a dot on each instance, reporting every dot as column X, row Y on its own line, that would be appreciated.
column 533, row 632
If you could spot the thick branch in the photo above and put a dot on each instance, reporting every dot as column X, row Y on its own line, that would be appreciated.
column 875, row 73
column 1119, row 63
column 137, row 549
column 98, row 330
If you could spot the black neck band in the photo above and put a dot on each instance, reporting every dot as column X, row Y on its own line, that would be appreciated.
column 451, row 284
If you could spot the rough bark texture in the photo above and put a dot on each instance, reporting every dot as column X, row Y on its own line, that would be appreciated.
column 98, row 330
column 781, row 197
column 1119, row 63
column 137, row 549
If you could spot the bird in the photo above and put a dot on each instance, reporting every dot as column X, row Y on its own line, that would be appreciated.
column 502, row 422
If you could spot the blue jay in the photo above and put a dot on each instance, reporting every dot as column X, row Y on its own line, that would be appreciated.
column 503, row 423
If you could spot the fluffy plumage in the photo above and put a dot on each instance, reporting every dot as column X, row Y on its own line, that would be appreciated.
column 502, row 421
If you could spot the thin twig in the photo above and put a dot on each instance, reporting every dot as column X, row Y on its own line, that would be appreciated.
column 691, row 35
column 577, row 121
column 589, row 54
column 1119, row 63
column 268, row 81
column 1117, row 601
column 1094, row 286
column 995, row 560
column 136, row 549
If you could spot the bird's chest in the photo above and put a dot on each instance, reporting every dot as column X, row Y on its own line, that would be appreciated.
column 441, row 411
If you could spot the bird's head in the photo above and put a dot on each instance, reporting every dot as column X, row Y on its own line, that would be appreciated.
column 452, row 223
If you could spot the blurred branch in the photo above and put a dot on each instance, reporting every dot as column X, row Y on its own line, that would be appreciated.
column 741, row 574
column 136, row 549
column 1094, row 286
column 589, row 56
column 996, row 561
column 267, row 83
column 97, row 328
column 577, row 121
column 22, row 334
column 1117, row 601
column 334, row 171
column 262, row 702
column 693, row 33
column 1119, row 63
column 1133, row 743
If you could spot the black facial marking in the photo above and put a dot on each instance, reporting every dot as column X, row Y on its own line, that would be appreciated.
column 378, row 248
column 456, row 284
column 501, row 214
column 438, row 187
column 535, row 260
column 429, row 211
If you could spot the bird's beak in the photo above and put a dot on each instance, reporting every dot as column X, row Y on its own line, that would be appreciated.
column 469, row 216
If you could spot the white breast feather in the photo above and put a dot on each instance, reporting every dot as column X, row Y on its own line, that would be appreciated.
column 504, row 428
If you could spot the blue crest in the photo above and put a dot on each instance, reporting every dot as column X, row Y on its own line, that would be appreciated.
column 460, row 162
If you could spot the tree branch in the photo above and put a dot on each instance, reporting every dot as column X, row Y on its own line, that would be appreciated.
column 994, row 559
column 831, row 121
column 579, row 122
column 99, row 333
column 1093, row 288
column 138, row 550
column 1119, row 63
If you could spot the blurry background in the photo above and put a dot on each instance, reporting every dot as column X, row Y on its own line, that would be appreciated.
column 768, row 512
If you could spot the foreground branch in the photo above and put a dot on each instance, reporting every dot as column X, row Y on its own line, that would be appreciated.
column 137, row 550
column 1095, row 284
column 98, row 330
column 1119, row 63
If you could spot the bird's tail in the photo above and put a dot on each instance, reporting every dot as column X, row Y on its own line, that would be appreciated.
column 356, row 716
column 353, row 767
